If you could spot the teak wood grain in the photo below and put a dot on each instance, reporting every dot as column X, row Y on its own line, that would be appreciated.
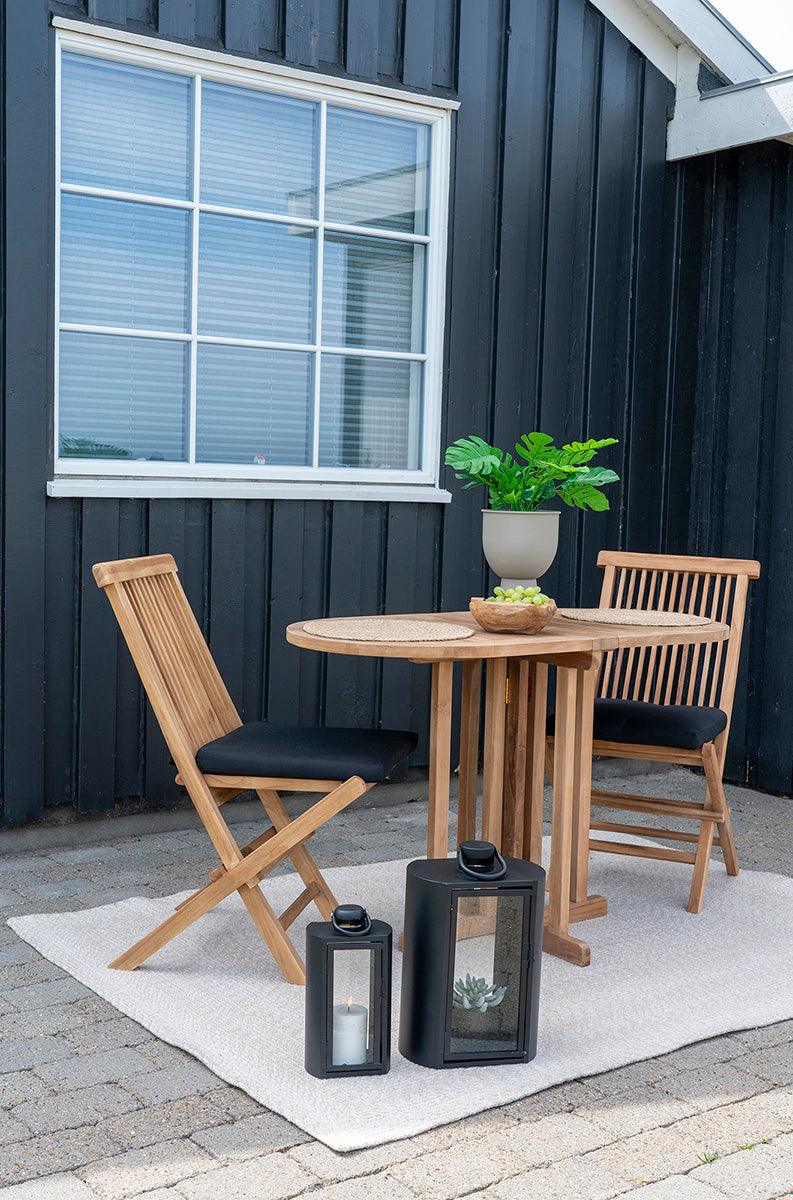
column 682, row 671
column 193, row 707
column 514, row 741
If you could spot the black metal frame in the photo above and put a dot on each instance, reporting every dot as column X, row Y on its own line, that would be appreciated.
column 323, row 943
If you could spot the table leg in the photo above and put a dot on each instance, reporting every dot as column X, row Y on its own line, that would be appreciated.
column 582, row 800
column 440, row 759
column 469, row 750
column 516, row 757
column 534, row 790
column 557, row 939
column 495, row 726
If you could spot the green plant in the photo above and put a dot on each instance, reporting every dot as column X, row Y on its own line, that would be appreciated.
column 546, row 471
column 477, row 995
column 83, row 447
column 708, row 1157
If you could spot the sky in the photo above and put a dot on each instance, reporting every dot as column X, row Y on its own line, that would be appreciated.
column 767, row 24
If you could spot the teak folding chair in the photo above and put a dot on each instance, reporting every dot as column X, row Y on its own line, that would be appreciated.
column 217, row 757
column 672, row 704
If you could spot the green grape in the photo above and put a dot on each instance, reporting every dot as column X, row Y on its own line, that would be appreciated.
column 533, row 591
column 498, row 591
column 536, row 600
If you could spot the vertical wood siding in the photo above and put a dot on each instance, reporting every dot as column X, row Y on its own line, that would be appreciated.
column 566, row 293
column 732, row 414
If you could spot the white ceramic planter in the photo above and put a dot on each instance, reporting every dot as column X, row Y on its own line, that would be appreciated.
column 519, row 546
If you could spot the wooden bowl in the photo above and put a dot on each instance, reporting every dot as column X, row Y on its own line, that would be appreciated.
column 500, row 617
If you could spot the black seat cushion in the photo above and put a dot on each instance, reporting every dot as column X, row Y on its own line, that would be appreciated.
column 684, row 726
column 293, row 752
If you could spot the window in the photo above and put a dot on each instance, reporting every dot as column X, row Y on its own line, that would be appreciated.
column 250, row 273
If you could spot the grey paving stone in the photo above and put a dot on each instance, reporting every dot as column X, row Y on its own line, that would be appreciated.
column 86, row 854
column 271, row 1177
column 582, row 1176
column 38, row 970
column 760, row 1172
column 57, row 888
column 186, row 1078
column 678, row 1187
column 140, row 1171
column 164, row 1122
column 109, row 1066
column 634, row 1112
column 69, row 1110
column 53, row 1152
column 40, row 995
column 53, row 1187
column 31, row 1023
column 21, row 1053
column 107, row 1035
column 772, row 1063
column 16, row 952
column 235, row 1103
column 708, row 1087
column 766, row 1035
column 9, row 900
column 18, row 1086
column 564, row 1098
column 250, row 1137
column 11, row 1129
column 370, row 1187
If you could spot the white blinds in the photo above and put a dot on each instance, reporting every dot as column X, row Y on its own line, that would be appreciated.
column 259, row 305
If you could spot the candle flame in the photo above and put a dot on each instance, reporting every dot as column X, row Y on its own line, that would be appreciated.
column 349, row 1003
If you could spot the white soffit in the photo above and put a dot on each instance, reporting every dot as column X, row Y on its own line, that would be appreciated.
column 736, row 116
column 659, row 27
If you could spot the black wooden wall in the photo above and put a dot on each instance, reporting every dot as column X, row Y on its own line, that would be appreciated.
column 732, row 418
column 563, row 303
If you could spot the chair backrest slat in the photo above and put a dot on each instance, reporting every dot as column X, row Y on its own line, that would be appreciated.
column 676, row 674
column 178, row 672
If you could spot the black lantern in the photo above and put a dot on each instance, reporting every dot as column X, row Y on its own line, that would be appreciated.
column 471, row 966
column 348, row 994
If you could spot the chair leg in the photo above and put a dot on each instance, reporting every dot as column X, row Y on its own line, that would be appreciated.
column 302, row 858
column 707, row 831
column 549, row 759
column 236, row 877
column 273, row 932
column 710, row 759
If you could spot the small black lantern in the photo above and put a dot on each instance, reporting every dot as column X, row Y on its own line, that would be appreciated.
column 348, row 994
column 471, row 965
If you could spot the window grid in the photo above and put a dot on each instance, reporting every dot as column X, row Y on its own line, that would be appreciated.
column 430, row 283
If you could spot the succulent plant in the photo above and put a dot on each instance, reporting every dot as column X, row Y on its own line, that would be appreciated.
column 476, row 994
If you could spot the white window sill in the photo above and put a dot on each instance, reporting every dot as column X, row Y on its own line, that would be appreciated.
column 245, row 489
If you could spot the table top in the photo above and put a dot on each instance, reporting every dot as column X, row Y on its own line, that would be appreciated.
column 560, row 636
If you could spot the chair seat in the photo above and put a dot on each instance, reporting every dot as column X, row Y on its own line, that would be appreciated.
column 684, row 726
column 293, row 752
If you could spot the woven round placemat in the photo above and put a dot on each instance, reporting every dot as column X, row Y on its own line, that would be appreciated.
column 632, row 616
column 387, row 629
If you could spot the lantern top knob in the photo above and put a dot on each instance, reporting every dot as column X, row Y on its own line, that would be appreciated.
column 351, row 920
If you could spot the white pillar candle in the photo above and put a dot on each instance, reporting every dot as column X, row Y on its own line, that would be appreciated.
column 349, row 1034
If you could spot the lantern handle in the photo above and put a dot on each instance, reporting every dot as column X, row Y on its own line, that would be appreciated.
column 351, row 920
column 497, row 872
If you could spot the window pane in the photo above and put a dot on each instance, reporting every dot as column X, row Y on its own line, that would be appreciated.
column 377, row 171
column 373, row 293
column 258, row 151
column 370, row 413
column 125, row 127
column 122, row 397
column 253, row 406
column 124, row 263
column 255, row 279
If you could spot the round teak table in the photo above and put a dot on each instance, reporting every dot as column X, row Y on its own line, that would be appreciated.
column 514, row 741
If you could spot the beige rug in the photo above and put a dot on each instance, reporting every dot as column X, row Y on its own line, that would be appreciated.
column 660, row 978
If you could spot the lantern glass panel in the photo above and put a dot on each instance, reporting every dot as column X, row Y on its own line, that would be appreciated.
column 353, row 1007
column 486, row 977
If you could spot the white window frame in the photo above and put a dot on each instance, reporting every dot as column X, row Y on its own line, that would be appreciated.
column 113, row 478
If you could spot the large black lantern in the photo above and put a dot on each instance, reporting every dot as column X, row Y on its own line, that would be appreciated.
column 348, row 994
column 472, row 952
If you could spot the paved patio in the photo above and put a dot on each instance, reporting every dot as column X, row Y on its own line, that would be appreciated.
column 92, row 1105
